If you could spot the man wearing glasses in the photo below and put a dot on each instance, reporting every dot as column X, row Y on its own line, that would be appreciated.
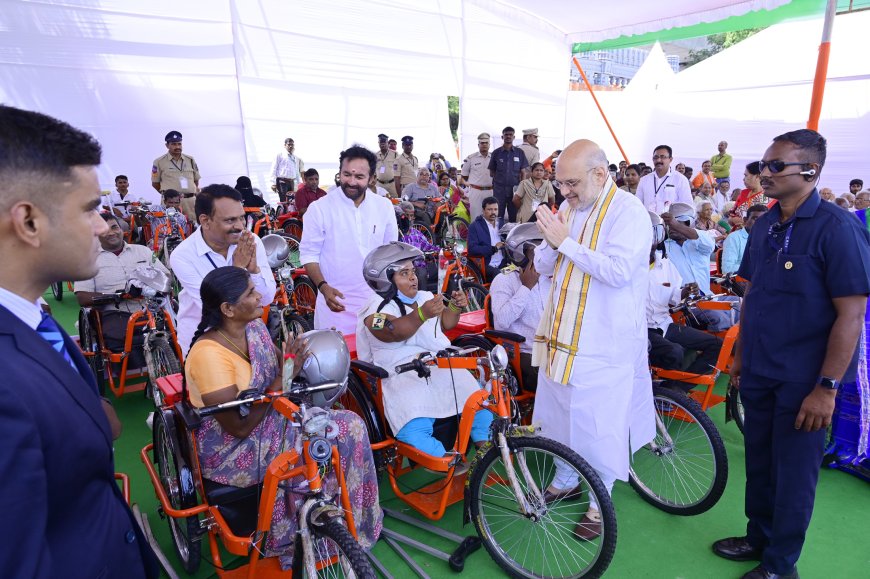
column 591, row 344
column 808, row 266
column 664, row 186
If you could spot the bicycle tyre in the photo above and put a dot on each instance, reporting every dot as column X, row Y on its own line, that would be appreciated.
column 476, row 295
column 161, row 360
column 188, row 550
column 697, row 446
column 57, row 290
column 334, row 539
column 293, row 322
column 458, row 227
column 735, row 408
column 89, row 344
column 293, row 244
column 304, row 297
column 502, row 527
column 475, row 275
column 293, row 227
column 424, row 229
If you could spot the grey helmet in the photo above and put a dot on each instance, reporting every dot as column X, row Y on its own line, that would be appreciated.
column 382, row 262
column 658, row 228
column 277, row 250
column 683, row 212
column 328, row 361
column 517, row 240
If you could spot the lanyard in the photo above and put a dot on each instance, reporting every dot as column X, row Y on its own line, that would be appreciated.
column 662, row 184
column 213, row 264
column 171, row 160
column 771, row 240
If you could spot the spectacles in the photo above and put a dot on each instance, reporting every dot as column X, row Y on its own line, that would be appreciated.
column 775, row 166
column 660, row 157
column 569, row 183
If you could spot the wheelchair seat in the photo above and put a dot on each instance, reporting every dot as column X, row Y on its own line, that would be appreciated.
column 238, row 506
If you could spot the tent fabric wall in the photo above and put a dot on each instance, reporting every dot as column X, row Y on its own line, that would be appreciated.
column 746, row 100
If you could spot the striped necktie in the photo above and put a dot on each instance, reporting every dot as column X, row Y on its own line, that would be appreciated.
column 50, row 332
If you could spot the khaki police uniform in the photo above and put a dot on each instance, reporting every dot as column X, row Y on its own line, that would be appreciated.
column 533, row 155
column 408, row 167
column 181, row 175
column 385, row 171
column 475, row 171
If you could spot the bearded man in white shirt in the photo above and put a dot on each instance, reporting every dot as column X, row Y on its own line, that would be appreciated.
column 340, row 230
column 591, row 346
column 220, row 240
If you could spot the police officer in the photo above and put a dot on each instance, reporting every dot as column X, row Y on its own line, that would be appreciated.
column 387, row 165
column 508, row 166
column 408, row 165
column 475, row 171
column 178, row 171
column 808, row 264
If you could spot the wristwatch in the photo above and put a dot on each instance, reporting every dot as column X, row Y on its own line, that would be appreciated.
column 828, row 383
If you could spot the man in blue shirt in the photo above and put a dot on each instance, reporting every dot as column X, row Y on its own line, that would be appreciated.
column 808, row 264
column 735, row 243
column 508, row 166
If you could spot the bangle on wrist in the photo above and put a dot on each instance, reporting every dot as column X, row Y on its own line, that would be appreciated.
column 454, row 307
column 420, row 313
column 321, row 284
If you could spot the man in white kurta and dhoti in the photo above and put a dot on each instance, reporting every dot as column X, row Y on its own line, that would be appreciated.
column 340, row 230
column 594, row 384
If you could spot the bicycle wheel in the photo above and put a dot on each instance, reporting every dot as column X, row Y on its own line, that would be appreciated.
column 293, row 244
column 304, row 297
column 458, row 228
column 422, row 228
column 291, row 322
column 473, row 272
column 57, row 290
column 181, row 494
column 476, row 295
column 161, row 360
column 541, row 544
column 735, row 408
column 293, row 227
column 684, row 470
column 337, row 554
column 90, row 347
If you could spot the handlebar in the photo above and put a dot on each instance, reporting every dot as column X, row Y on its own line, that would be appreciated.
column 249, row 398
column 692, row 300
column 428, row 357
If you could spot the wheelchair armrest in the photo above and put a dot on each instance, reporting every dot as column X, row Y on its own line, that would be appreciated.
column 189, row 415
column 369, row 368
column 504, row 335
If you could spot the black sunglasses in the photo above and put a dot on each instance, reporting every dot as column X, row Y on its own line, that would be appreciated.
column 775, row 166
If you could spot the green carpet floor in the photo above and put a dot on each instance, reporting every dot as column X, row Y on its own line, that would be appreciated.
column 651, row 543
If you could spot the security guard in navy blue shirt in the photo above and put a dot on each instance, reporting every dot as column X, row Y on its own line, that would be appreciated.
column 808, row 263
column 507, row 166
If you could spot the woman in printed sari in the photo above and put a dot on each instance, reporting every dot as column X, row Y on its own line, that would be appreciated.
column 232, row 352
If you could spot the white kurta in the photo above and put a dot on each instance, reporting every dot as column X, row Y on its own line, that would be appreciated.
column 610, row 390
column 405, row 395
column 337, row 236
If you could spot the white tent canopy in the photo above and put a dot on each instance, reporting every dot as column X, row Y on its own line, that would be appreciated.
column 238, row 76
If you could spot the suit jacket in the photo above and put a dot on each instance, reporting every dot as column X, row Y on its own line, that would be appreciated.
column 479, row 242
column 62, row 512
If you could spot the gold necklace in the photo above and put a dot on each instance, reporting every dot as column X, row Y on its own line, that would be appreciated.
column 233, row 344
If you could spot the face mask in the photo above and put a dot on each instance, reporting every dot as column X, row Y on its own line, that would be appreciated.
column 405, row 299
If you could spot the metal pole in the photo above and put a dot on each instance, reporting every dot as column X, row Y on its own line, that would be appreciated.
column 600, row 110
column 822, row 67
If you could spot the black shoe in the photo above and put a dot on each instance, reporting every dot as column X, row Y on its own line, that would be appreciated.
column 761, row 573
column 737, row 549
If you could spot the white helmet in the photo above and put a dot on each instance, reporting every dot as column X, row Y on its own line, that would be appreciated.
column 277, row 250
column 658, row 228
column 683, row 212
column 328, row 361
column 382, row 262
column 519, row 238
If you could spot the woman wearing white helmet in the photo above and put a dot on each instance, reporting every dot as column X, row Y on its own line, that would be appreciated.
column 396, row 326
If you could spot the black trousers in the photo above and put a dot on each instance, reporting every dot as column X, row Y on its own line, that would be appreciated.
column 284, row 185
column 530, row 373
column 505, row 196
column 782, row 469
column 668, row 350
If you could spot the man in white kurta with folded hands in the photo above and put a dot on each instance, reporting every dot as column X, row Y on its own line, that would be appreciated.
column 340, row 230
column 591, row 345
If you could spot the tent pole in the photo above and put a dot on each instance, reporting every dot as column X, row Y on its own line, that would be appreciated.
column 822, row 67
column 600, row 110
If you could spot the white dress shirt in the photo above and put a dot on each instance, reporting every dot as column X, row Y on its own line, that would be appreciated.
column 665, row 290
column 114, row 199
column 658, row 193
column 286, row 166
column 338, row 235
column 494, row 238
column 114, row 271
column 28, row 312
column 516, row 308
column 191, row 261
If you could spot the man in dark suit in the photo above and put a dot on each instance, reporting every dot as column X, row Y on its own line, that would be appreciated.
column 484, row 240
column 62, row 513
